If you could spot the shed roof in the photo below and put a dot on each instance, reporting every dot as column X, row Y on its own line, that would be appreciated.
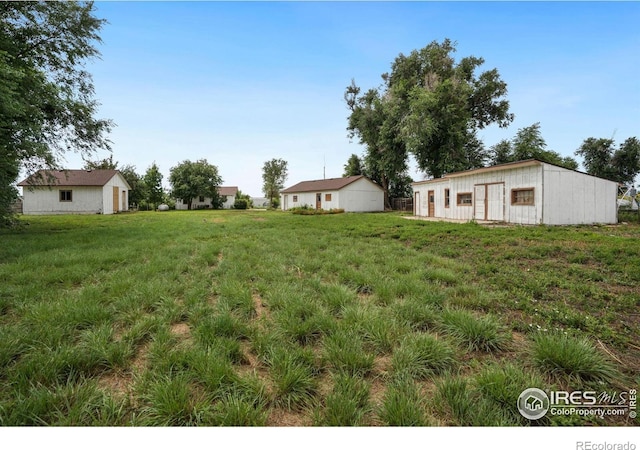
column 228, row 190
column 329, row 184
column 69, row 178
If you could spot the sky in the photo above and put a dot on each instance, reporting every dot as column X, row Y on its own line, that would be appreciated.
column 241, row 83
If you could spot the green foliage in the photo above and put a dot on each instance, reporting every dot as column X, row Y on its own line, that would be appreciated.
column 576, row 358
column 430, row 107
column 242, row 201
column 274, row 174
column 479, row 333
column 347, row 404
column 192, row 179
column 402, row 405
column 307, row 210
column 528, row 143
column 353, row 166
column 46, row 97
column 345, row 354
column 601, row 160
column 421, row 356
column 152, row 182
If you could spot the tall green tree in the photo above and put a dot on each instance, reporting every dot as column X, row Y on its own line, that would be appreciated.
column 430, row 106
column 102, row 164
column 47, row 104
column 192, row 179
column 152, row 181
column 600, row 158
column 274, row 174
column 353, row 166
column 136, row 194
column 528, row 143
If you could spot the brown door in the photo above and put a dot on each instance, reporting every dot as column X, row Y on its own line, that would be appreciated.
column 432, row 203
column 116, row 200
column 318, row 201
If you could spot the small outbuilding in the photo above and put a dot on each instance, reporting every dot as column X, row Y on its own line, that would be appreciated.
column 353, row 194
column 228, row 194
column 524, row 192
column 75, row 192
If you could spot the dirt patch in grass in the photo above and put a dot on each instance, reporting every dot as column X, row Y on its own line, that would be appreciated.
column 261, row 310
column 139, row 362
column 118, row 383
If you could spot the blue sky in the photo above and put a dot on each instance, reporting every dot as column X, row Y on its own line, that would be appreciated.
column 240, row 83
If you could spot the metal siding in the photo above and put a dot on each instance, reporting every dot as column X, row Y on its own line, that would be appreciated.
column 42, row 200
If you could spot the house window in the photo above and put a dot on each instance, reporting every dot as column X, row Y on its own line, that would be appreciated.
column 327, row 197
column 185, row 201
column 201, row 199
column 65, row 196
column 522, row 196
column 464, row 199
column 446, row 198
column 295, row 198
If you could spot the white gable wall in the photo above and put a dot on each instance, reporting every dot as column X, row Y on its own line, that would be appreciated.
column 107, row 194
column 575, row 198
column 361, row 196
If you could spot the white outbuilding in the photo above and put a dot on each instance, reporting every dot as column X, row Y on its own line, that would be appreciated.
column 75, row 192
column 524, row 192
column 353, row 194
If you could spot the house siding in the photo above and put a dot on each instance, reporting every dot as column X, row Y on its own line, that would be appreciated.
column 45, row 200
column 359, row 196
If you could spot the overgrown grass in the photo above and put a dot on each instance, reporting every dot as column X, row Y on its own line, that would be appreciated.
column 244, row 318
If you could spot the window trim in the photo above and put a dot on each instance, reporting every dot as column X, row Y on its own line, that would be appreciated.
column 514, row 193
column 65, row 191
column 295, row 199
column 327, row 197
column 460, row 194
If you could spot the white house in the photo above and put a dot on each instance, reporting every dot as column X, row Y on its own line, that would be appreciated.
column 353, row 194
column 523, row 192
column 75, row 192
column 228, row 193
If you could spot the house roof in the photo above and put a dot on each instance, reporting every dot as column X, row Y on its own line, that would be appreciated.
column 69, row 178
column 228, row 190
column 329, row 184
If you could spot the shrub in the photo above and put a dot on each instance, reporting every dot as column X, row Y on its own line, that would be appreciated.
column 240, row 203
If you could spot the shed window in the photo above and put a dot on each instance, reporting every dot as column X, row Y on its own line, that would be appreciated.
column 66, row 196
column 446, row 198
column 295, row 198
column 464, row 199
column 522, row 196
column 201, row 198
column 327, row 197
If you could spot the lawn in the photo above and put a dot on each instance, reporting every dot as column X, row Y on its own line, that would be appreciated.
column 268, row 318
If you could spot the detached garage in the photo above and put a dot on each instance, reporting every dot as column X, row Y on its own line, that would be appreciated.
column 353, row 194
column 75, row 192
column 524, row 192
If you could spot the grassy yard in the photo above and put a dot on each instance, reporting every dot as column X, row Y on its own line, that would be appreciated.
column 267, row 318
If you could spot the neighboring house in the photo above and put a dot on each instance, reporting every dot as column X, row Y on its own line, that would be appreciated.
column 353, row 194
column 75, row 192
column 524, row 192
column 201, row 202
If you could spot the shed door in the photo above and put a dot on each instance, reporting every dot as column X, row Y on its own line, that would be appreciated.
column 495, row 202
column 479, row 197
column 432, row 203
column 116, row 200
column 319, row 200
